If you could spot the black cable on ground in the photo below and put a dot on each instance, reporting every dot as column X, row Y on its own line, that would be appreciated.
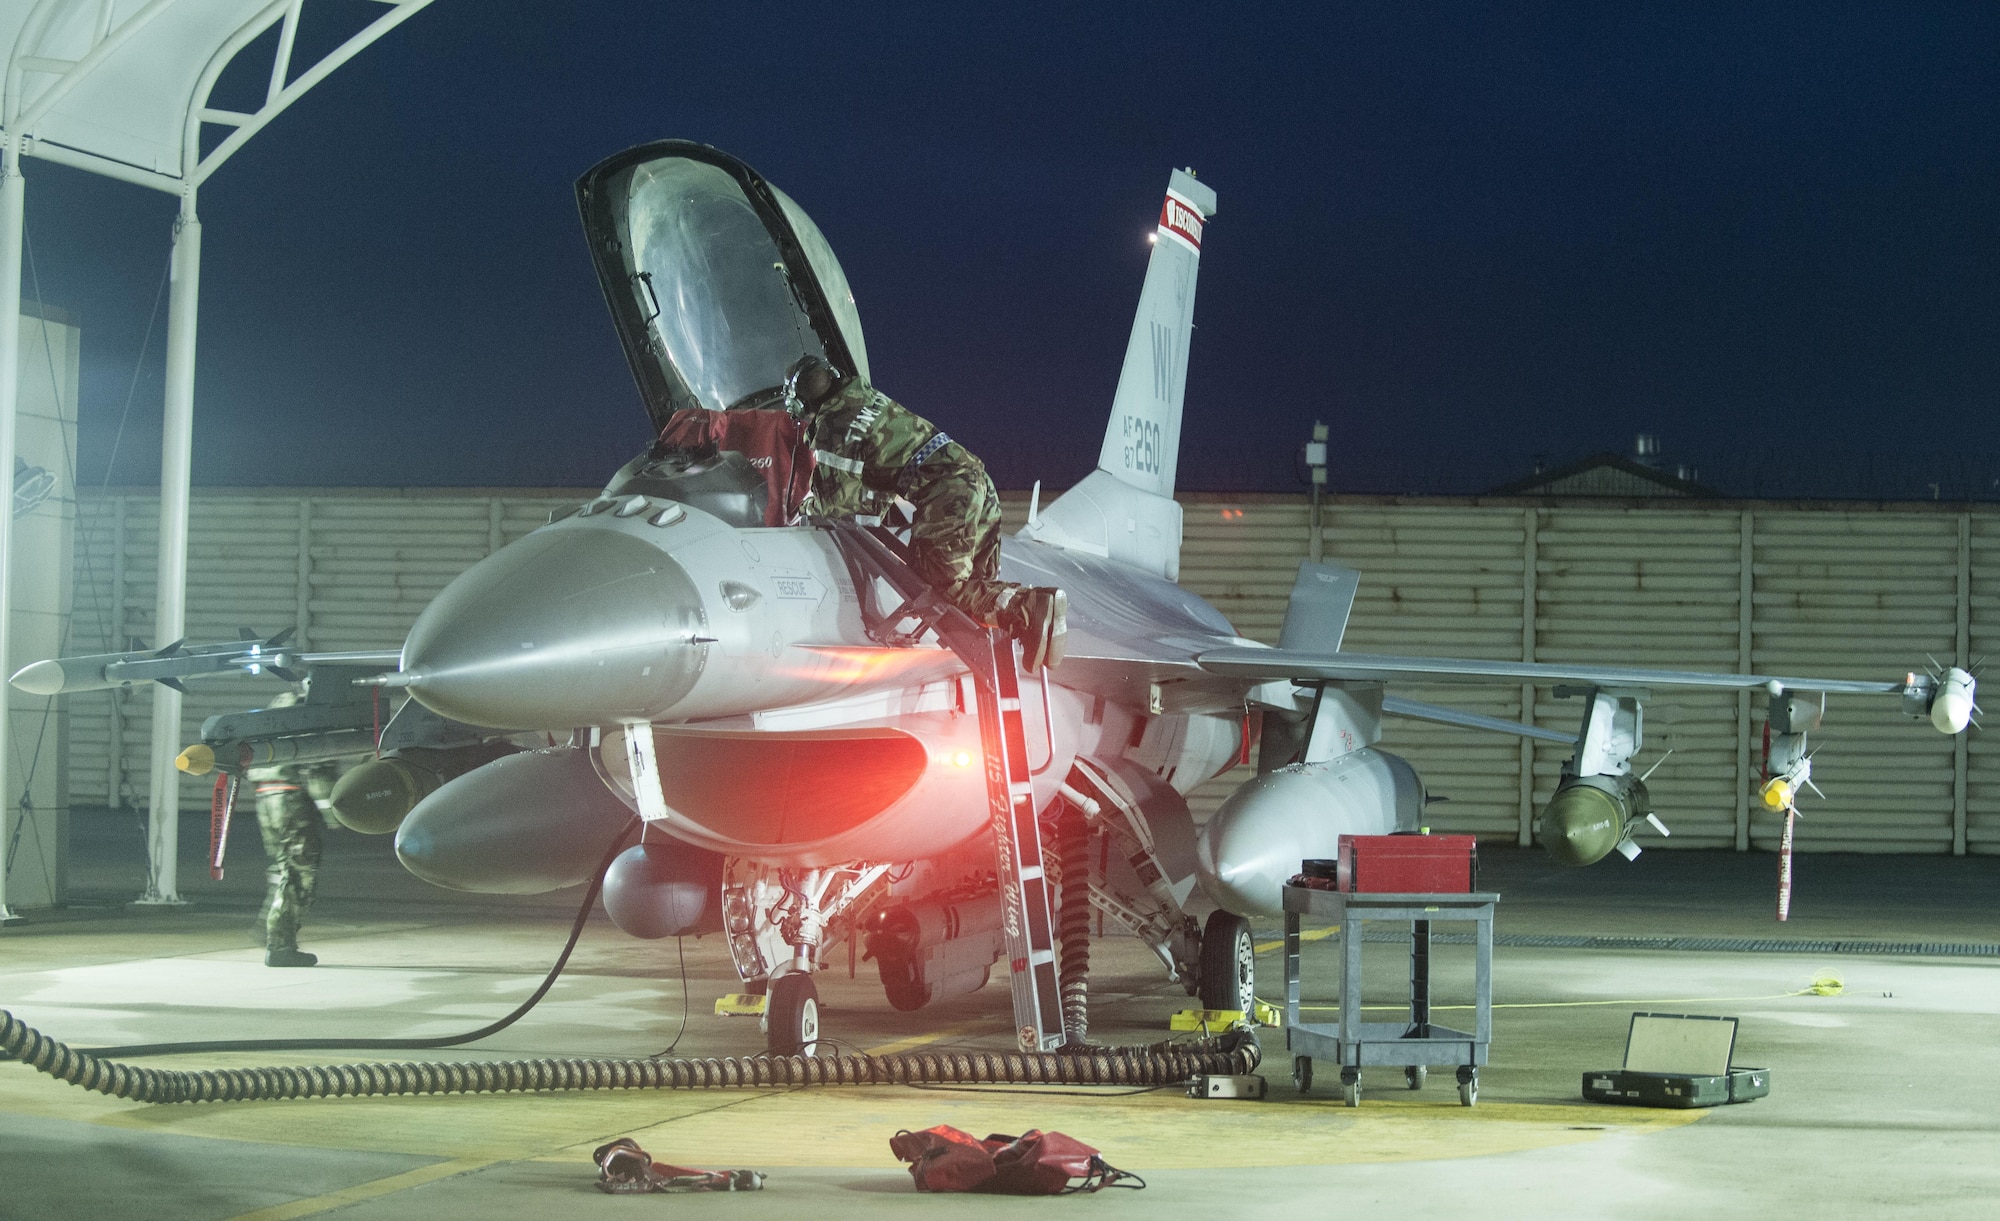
column 680, row 949
column 618, row 844
column 1158, row 1064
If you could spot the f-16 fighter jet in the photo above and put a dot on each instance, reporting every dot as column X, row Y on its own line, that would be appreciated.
column 815, row 750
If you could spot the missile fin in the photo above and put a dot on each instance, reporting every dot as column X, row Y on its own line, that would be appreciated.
column 175, row 683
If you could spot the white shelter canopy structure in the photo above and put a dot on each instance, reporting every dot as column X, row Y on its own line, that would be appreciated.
column 122, row 88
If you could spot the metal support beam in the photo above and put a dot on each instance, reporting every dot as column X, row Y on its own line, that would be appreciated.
column 302, row 612
column 170, row 601
column 1531, row 527
column 12, row 197
column 1746, row 590
column 118, row 638
column 1963, row 652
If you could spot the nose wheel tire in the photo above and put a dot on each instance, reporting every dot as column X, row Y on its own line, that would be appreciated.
column 791, row 1017
column 1228, row 966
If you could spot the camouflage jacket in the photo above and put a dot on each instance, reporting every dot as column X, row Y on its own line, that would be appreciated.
column 869, row 449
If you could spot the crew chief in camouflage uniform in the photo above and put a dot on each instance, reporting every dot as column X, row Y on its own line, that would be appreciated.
column 869, row 449
column 288, row 817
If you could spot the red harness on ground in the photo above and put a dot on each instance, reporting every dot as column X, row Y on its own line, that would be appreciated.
column 771, row 439
column 623, row 1168
column 1036, row 1163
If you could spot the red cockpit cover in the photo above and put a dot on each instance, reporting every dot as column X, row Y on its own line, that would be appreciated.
column 768, row 437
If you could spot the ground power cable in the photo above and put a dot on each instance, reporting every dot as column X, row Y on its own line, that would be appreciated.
column 618, row 845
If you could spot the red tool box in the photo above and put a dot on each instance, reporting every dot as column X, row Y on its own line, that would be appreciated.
column 1408, row 864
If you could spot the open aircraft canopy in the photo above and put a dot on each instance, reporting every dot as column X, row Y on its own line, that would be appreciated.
column 716, row 280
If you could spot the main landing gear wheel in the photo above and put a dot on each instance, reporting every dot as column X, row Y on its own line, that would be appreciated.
column 1228, row 963
column 791, row 1017
column 1468, row 1085
column 1350, row 1085
column 1302, row 1073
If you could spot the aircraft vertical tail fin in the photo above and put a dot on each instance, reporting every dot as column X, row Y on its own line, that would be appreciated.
column 1125, row 509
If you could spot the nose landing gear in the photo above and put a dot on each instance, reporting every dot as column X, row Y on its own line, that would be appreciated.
column 791, row 1016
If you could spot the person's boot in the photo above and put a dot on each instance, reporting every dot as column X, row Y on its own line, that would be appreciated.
column 1042, row 626
column 281, row 955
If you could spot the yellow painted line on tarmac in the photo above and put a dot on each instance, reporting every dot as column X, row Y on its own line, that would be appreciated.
column 366, row 1191
column 1316, row 934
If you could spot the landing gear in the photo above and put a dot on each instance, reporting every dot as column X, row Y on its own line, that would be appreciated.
column 791, row 1016
column 1228, row 963
column 777, row 921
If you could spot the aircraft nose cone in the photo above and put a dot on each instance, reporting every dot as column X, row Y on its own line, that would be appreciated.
column 1247, row 851
column 574, row 626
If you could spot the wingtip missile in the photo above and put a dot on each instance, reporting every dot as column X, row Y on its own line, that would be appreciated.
column 40, row 678
column 172, row 664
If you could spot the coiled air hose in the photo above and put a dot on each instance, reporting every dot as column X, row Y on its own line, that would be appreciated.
column 1156, row 1064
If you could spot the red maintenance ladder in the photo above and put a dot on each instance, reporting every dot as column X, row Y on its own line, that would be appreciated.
column 1027, row 918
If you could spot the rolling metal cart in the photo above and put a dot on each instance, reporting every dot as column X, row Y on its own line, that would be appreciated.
column 1413, row 1044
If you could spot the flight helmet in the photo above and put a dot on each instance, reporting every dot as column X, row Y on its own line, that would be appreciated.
column 810, row 381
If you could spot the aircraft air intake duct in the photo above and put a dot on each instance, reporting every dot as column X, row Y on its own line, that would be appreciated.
column 1589, row 816
column 1154, row 1064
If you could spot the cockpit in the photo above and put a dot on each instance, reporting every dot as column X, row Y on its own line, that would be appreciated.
column 725, row 485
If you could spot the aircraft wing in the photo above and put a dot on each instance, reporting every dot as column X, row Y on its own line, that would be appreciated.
column 1304, row 666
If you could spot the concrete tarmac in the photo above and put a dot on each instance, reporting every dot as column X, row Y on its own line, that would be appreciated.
column 1881, row 1100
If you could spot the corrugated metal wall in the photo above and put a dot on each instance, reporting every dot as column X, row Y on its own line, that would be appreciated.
column 1793, row 589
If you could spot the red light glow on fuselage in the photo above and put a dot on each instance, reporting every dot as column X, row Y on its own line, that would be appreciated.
column 849, row 665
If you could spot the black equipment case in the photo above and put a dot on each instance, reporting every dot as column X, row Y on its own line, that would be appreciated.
column 1678, row 1060
column 1676, row 1090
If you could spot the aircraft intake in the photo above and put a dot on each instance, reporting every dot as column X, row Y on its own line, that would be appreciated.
column 531, row 822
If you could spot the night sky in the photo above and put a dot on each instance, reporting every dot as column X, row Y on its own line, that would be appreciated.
column 1463, row 235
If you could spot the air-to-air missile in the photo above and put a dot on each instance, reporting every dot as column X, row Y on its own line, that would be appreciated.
column 169, row 665
column 335, row 720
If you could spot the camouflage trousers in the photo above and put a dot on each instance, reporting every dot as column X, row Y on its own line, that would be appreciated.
column 955, row 544
column 290, row 825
